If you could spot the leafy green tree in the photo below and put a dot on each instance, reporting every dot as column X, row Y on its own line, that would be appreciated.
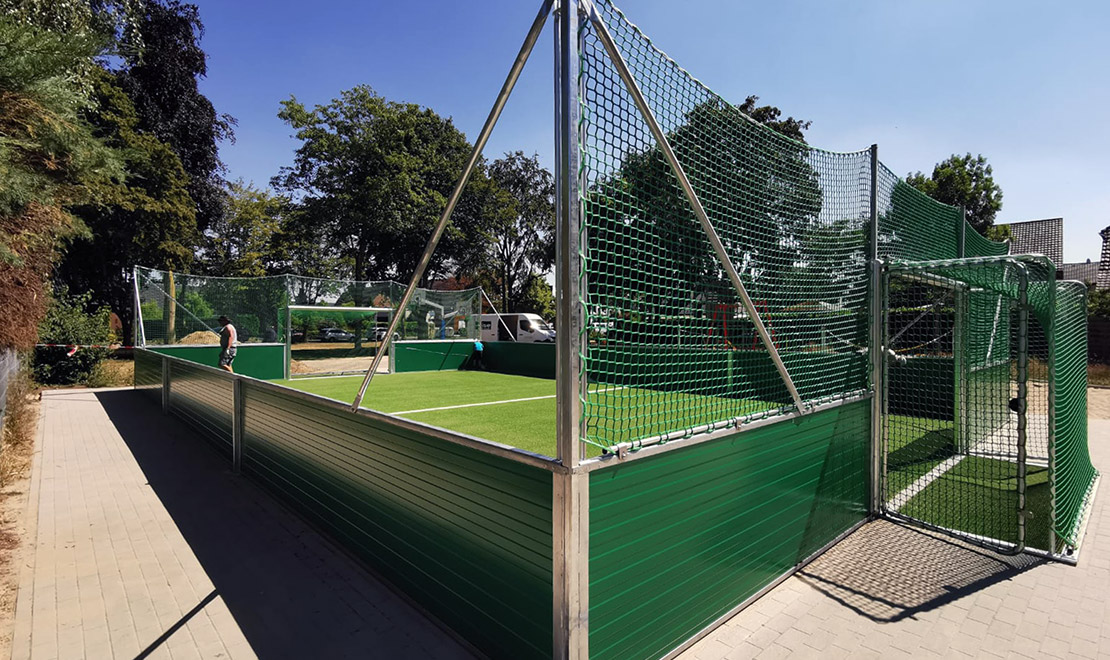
column 241, row 242
column 763, row 216
column 966, row 181
column 49, row 160
column 144, row 218
column 161, row 75
column 518, row 228
column 71, row 319
column 538, row 297
column 373, row 176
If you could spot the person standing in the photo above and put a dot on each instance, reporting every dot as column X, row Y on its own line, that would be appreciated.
column 229, row 338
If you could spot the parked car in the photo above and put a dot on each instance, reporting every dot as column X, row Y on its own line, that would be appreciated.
column 335, row 334
column 379, row 334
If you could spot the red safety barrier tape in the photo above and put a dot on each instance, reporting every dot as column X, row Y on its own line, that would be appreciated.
column 72, row 348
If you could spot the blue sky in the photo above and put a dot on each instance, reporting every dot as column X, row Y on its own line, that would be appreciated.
column 1023, row 83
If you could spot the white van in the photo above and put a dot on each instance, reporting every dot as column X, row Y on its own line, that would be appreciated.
column 527, row 328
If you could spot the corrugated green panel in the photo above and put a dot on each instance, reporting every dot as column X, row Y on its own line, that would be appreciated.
column 519, row 358
column 204, row 400
column 1075, row 473
column 466, row 534
column 148, row 373
column 263, row 361
column 679, row 539
column 431, row 355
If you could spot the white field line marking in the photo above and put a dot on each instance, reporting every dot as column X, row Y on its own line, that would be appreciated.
column 924, row 480
column 491, row 403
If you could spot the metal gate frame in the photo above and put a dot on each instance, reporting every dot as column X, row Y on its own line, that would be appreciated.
column 917, row 271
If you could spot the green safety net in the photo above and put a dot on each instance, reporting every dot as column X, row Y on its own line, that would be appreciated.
column 670, row 349
column 979, row 303
column 1075, row 475
column 181, row 308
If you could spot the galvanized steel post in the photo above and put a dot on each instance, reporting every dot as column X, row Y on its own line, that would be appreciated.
column 165, row 384
column 961, row 234
column 570, row 487
column 1022, row 396
column 236, row 424
column 878, row 355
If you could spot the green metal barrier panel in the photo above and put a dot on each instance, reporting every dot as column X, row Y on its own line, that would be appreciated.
column 204, row 400
column 465, row 534
column 262, row 361
column 447, row 355
column 521, row 359
column 1075, row 475
column 679, row 539
column 148, row 373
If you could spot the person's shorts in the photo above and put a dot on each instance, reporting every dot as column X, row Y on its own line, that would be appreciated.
column 227, row 356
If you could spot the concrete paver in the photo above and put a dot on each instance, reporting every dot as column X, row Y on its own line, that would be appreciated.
column 143, row 544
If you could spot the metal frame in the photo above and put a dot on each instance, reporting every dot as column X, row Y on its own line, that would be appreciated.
column 878, row 346
column 913, row 271
column 468, row 169
column 237, row 425
column 570, row 489
column 692, row 197
column 1023, row 402
column 137, row 331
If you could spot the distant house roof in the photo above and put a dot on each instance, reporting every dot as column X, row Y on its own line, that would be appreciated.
column 1039, row 237
column 1082, row 272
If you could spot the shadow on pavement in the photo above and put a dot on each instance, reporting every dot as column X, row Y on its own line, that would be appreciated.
column 292, row 593
column 888, row 572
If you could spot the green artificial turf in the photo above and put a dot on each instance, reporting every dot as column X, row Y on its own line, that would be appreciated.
column 392, row 393
column 916, row 445
column 485, row 405
column 979, row 496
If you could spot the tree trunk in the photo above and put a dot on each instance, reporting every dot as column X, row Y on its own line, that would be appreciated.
column 169, row 314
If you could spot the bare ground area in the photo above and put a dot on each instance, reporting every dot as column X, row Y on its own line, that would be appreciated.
column 1098, row 403
column 20, row 429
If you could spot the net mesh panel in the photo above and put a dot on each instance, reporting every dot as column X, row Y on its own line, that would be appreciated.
column 977, row 245
column 1075, row 475
column 179, row 308
column 951, row 424
column 669, row 348
column 335, row 341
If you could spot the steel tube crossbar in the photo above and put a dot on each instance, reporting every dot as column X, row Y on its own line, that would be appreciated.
column 691, row 196
column 471, row 163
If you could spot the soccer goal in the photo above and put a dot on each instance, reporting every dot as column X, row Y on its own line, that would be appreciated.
column 328, row 340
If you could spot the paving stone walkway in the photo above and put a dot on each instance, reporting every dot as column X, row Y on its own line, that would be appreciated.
column 143, row 544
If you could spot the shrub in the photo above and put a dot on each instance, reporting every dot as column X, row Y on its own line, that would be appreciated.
column 69, row 321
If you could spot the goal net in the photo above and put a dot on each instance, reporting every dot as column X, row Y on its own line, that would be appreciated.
column 334, row 340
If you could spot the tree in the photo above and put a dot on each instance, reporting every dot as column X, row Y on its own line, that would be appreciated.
column 241, row 243
column 160, row 77
column 538, row 297
column 146, row 217
column 373, row 176
column 49, row 160
column 764, row 215
column 518, row 232
column 965, row 181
